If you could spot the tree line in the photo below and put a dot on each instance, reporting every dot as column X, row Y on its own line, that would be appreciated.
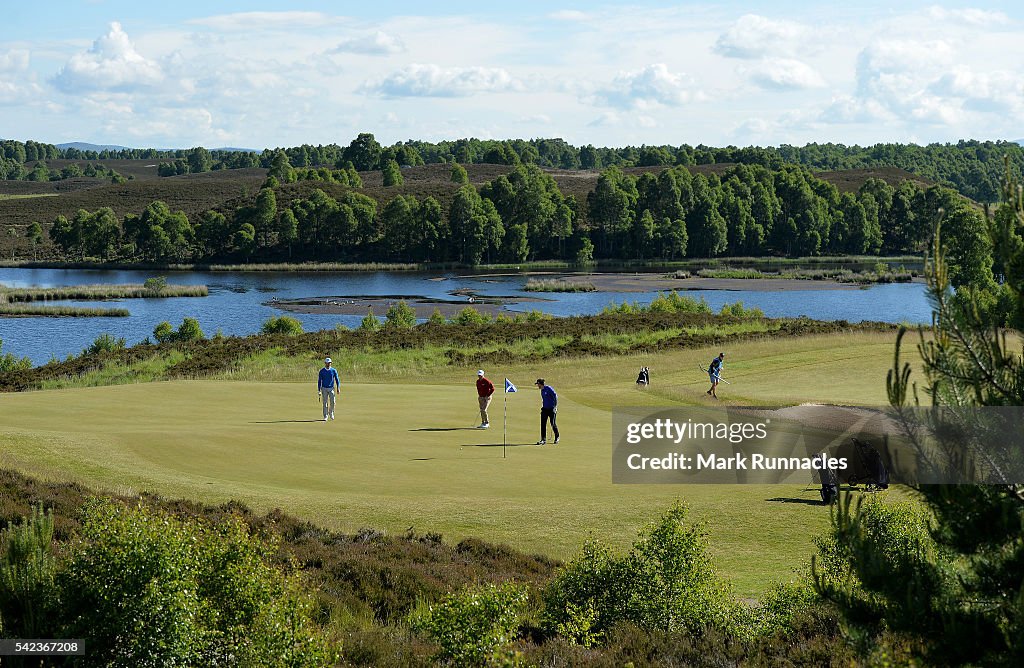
column 523, row 215
column 974, row 168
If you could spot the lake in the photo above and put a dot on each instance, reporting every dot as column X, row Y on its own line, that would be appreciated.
column 237, row 304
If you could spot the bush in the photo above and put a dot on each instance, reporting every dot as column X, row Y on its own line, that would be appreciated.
column 471, row 625
column 674, row 302
column 282, row 325
column 155, row 286
column 27, row 569
column 163, row 332
column 149, row 590
column 436, row 318
column 10, row 362
column 369, row 323
column 666, row 582
column 470, row 316
column 189, row 330
column 737, row 310
column 400, row 316
column 105, row 343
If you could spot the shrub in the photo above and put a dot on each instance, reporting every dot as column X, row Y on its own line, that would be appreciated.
column 369, row 322
column 163, row 332
column 282, row 325
column 470, row 316
column 472, row 625
column 436, row 318
column 737, row 310
column 674, row 302
column 400, row 316
column 27, row 569
column 155, row 286
column 10, row 362
column 189, row 330
column 105, row 343
column 665, row 582
column 150, row 590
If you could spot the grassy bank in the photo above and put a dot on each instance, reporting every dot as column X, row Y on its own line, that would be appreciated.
column 558, row 285
column 97, row 292
column 25, row 310
column 880, row 274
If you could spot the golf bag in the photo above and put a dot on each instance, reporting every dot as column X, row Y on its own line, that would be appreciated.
column 829, row 482
column 644, row 377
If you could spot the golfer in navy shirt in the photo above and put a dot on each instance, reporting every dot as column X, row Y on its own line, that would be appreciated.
column 549, row 406
column 327, row 386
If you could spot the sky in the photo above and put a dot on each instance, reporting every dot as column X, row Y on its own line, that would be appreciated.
column 264, row 74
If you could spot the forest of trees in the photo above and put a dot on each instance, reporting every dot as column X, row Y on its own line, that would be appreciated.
column 672, row 214
column 974, row 168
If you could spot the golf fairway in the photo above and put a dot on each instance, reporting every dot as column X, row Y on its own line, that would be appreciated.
column 403, row 453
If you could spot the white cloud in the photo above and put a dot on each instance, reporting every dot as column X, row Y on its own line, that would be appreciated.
column 14, row 60
column 569, row 15
column 785, row 74
column 264, row 20
column 606, row 119
column 997, row 91
column 975, row 17
column 111, row 64
column 377, row 44
column 434, row 81
column 754, row 36
column 646, row 88
column 849, row 109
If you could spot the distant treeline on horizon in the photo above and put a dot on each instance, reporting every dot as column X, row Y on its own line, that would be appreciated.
column 974, row 168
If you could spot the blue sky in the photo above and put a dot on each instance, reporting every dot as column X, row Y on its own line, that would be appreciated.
column 261, row 74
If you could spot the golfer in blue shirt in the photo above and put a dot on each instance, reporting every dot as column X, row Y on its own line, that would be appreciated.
column 327, row 386
column 549, row 406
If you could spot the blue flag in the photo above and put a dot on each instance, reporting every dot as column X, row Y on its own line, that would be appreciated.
column 509, row 387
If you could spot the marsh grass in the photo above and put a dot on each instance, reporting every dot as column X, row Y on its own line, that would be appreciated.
column 23, row 310
column 558, row 285
column 97, row 292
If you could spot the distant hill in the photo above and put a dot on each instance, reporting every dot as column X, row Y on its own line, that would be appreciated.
column 233, row 149
column 85, row 146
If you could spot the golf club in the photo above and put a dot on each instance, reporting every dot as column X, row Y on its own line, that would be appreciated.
column 719, row 378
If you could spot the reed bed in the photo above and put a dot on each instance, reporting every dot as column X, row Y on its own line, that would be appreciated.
column 97, row 292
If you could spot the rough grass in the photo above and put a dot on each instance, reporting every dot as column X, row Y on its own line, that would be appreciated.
column 402, row 454
column 22, row 310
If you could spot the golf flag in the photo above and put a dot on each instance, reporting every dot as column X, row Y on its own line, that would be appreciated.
column 509, row 387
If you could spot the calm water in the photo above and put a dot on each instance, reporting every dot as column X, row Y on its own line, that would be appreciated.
column 236, row 303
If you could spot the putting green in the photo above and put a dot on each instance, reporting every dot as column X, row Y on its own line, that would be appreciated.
column 403, row 453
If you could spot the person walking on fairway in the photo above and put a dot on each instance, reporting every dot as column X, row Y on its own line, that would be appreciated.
column 484, row 390
column 548, row 409
column 715, row 373
column 327, row 386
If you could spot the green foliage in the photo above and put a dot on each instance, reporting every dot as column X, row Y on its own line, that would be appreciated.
column 470, row 316
column 369, row 323
column 400, row 316
column 155, row 286
column 947, row 574
column 585, row 255
column 105, row 343
column 27, row 570
column 436, row 317
column 163, row 332
column 392, row 174
column 737, row 310
column 472, row 625
column 458, row 174
column 282, row 325
column 149, row 590
column 665, row 582
column 673, row 302
column 11, row 362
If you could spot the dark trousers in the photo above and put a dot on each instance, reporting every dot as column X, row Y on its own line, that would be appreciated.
column 546, row 413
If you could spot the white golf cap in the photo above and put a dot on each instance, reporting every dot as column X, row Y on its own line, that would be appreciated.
column 480, row 372
column 327, row 361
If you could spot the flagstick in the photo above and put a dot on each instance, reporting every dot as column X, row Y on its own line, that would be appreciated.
column 504, row 423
